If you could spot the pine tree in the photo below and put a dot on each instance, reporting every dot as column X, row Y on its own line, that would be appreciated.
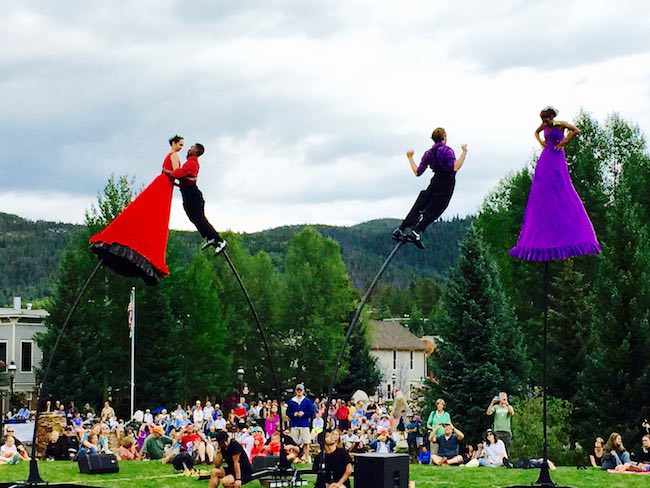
column 481, row 350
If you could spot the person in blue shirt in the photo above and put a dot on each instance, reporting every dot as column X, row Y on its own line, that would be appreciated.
column 448, row 446
column 425, row 456
column 23, row 414
column 301, row 411
column 411, row 429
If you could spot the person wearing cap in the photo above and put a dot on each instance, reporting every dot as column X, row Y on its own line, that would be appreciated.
column 238, row 470
column 300, row 411
column 154, row 444
column 411, row 429
column 147, row 418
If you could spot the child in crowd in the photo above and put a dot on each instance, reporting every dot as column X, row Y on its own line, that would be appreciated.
column 425, row 456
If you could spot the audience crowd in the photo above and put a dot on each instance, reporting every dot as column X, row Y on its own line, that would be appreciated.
column 187, row 435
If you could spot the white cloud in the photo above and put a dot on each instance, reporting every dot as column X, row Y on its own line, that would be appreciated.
column 305, row 113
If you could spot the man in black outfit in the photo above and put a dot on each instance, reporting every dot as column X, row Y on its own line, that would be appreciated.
column 193, row 201
column 238, row 470
column 334, row 468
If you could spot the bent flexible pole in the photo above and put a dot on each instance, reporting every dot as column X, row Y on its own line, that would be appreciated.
column 34, row 478
column 284, row 463
column 351, row 327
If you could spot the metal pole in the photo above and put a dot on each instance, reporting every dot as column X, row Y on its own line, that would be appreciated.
column 132, row 351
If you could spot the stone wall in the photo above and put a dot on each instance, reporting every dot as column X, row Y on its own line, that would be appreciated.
column 47, row 422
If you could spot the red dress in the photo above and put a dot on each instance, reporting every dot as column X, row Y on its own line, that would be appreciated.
column 135, row 243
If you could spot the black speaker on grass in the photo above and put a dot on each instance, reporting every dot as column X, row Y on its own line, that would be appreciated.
column 374, row 470
column 98, row 464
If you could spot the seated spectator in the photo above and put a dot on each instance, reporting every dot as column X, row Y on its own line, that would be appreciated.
column 57, row 448
column 71, row 411
column 127, row 450
column 425, row 456
column 71, row 439
column 9, row 453
column 77, row 421
column 596, row 456
column 614, row 453
column 89, row 446
column 173, row 449
column 527, row 463
column 634, row 468
column 384, row 422
column 468, row 453
column 197, row 445
column 107, row 411
column 154, row 445
column 448, row 446
column 494, row 451
column 644, row 454
column 383, row 443
column 58, row 408
column 23, row 414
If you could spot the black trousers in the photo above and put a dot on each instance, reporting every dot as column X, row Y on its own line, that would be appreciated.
column 431, row 203
column 194, row 206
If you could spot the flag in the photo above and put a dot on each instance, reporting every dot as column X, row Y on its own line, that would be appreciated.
column 130, row 310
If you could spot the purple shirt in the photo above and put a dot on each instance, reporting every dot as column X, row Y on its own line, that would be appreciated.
column 440, row 158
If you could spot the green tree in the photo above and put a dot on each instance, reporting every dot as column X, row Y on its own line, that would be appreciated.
column 318, row 306
column 481, row 349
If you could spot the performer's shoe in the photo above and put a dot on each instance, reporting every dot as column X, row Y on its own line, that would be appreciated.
column 220, row 246
column 208, row 243
column 415, row 238
column 398, row 235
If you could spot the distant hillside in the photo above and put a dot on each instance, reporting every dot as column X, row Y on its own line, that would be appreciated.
column 30, row 251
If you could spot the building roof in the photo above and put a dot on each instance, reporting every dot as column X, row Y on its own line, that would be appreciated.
column 393, row 336
column 22, row 313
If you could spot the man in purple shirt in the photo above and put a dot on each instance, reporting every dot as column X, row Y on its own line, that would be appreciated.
column 433, row 201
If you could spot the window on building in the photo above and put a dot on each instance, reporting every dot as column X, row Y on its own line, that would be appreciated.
column 394, row 359
column 411, row 359
column 3, row 356
column 26, row 356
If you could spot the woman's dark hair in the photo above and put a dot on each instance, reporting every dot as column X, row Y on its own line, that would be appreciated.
column 438, row 134
column 176, row 138
column 548, row 112
column 495, row 437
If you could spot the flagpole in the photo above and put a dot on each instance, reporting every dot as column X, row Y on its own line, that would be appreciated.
column 132, row 335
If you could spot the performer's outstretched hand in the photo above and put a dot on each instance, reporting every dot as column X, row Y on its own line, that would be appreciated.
column 463, row 147
column 410, row 153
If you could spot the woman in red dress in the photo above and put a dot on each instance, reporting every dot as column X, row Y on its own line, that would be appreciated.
column 135, row 243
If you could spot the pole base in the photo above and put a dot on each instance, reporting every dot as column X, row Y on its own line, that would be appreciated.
column 543, row 480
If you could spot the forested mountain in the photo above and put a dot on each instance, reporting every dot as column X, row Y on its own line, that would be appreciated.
column 30, row 251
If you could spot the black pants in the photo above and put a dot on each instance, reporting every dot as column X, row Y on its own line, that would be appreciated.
column 194, row 206
column 431, row 203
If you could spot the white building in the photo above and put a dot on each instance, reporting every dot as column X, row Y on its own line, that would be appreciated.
column 17, row 345
column 400, row 357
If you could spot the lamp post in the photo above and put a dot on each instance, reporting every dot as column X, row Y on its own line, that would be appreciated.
column 393, row 377
column 12, row 376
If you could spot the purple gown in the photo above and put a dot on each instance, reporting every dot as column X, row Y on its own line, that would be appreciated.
column 555, row 224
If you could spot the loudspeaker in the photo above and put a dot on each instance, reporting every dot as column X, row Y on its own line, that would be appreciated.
column 98, row 464
column 264, row 462
column 376, row 470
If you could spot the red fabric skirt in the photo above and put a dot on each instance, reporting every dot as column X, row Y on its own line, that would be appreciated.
column 135, row 243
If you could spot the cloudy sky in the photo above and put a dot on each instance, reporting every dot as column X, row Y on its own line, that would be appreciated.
column 305, row 108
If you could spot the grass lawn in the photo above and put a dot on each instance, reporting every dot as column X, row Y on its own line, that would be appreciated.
column 155, row 475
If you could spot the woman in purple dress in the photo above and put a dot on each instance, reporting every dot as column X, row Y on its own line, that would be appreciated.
column 555, row 224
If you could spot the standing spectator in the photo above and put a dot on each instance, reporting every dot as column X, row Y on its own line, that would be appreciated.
column 614, row 453
column 272, row 420
column 87, row 410
column 437, row 418
column 59, row 409
column 208, row 414
column 449, row 447
column 502, row 412
column 494, row 451
column 596, row 456
column 148, row 417
column 411, row 429
column 220, row 423
column 107, row 411
column 342, row 416
column 371, row 409
column 197, row 416
column 300, row 411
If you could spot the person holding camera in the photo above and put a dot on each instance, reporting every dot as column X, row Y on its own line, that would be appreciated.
column 503, row 413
